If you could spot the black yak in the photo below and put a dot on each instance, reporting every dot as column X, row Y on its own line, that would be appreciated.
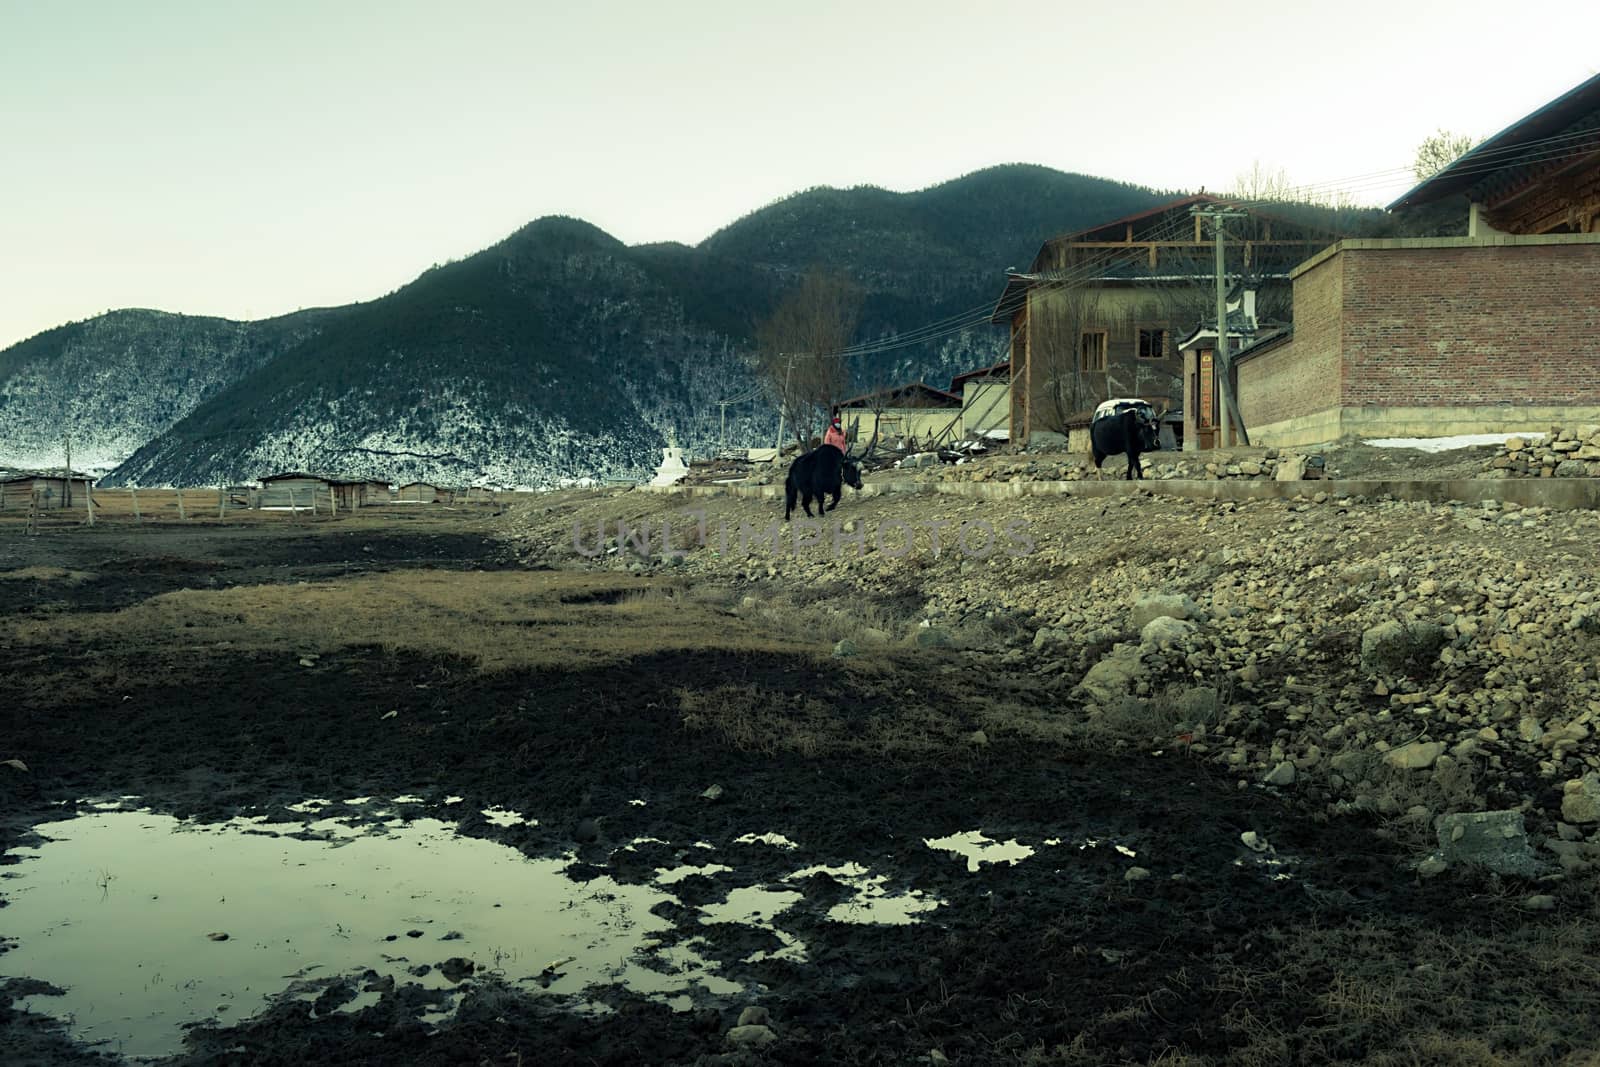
column 1131, row 431
column 822, row 471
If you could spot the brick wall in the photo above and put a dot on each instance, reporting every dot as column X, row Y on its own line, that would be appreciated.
column 1468, row 325
column 1301, row 377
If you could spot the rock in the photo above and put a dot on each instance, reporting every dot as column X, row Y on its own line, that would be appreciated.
column 1162, row 605
column 931, row 637
column 1540, row 902
column 754, row 1036
column 1417, row 756
column 1282, row 774
column 755, row 1015
column 1166, row 631
column 1290, row 469
column 1136, row 874
column 456, row 968
column 1496, row 840
column 712, row 792
column 979, row 738
column 844, row 649
column 17, row 764
column 1580, row 799
column 217, row 935
column 1432, row 867
column 1254, row 841
column 1114, row 675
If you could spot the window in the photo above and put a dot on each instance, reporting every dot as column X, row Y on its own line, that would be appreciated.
column 1092, row 350
column 1152, row 344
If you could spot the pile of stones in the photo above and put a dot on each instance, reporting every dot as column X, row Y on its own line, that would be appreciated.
column 1562, row 453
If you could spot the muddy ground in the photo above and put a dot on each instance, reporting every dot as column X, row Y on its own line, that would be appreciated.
column 155, row 661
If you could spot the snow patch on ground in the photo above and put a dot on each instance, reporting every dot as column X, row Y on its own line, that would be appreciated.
column 1445, row 444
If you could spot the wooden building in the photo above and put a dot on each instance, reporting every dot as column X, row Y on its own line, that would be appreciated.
column 1098, row 312
column 353, row 493
column 421, row 493
column 57, row 489
column 1540, row 175
column 912, row 412
column 294, row 489
column 1495, row 332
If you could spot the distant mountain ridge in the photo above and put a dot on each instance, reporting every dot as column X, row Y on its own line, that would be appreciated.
column 559, row 353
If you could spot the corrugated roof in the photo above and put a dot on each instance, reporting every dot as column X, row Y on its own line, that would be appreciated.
column 946, row 399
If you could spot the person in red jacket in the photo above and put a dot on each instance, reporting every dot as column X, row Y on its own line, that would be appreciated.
column 835, row 436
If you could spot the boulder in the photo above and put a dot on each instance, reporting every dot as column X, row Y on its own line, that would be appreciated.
column 1114, row 675
column 1417, row 756
column 1496, row 840
column 1580, row 799
column 1166, row 631
column 1291, row 468
column 1162, row 605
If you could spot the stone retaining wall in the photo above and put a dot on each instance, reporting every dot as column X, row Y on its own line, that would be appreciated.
column 1562, row 453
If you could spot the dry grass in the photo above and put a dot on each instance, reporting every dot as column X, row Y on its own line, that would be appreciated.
column 45, row 574
column 497, row 620
column 758, row 720
column 1392, row 992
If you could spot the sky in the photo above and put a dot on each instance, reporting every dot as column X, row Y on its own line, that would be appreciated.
column 247, row 159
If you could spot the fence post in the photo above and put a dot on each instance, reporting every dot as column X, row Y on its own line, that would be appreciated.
column 222, row 501
column 181, row 515
column 333, row 503
column 133, row 491
column 33, row 512
column 88, row 502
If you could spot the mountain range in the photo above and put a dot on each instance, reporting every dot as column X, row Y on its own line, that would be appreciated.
column 558, row 354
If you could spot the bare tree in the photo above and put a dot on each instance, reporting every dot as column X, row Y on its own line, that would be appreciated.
column 800, row 348
column 1259, row 185
column 1438, row 152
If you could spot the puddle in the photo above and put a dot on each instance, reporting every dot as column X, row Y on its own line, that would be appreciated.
column 116, row 907
column 504, row 817
column 775, row 840
column 979, row 849
column 872, row 904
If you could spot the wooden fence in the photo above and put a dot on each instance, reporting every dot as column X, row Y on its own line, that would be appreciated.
column 216, row 504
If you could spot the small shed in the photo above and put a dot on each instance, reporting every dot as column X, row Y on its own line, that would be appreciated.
column 353, row 493
column 915, row 411
column 294, row 489
column 59, row 489
column 421, row 493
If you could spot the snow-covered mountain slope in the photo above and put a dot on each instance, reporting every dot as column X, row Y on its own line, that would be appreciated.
column 114, row 382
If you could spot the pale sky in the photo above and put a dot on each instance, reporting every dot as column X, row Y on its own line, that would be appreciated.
column 248, row 159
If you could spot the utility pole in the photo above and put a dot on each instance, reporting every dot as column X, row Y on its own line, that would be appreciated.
column 783, row 400
column 1226, row 402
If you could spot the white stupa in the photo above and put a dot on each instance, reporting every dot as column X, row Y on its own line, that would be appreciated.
column 672, row 469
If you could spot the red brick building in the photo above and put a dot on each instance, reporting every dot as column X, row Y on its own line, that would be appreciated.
column 1498, row 331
